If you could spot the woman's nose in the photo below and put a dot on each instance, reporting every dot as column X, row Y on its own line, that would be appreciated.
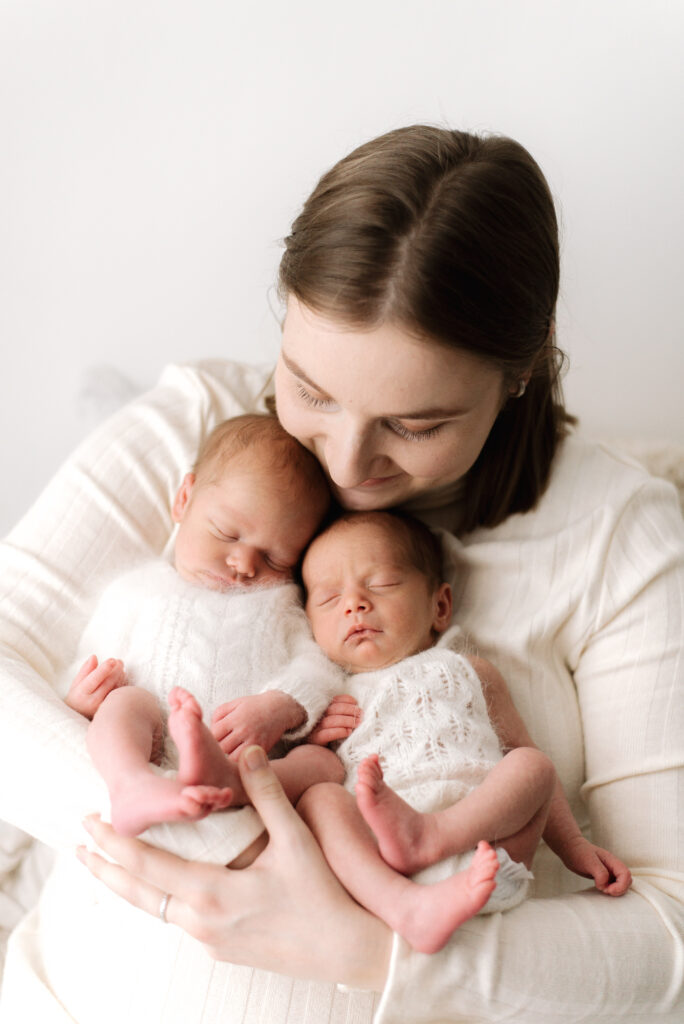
column 350, row 457
column 243, row 559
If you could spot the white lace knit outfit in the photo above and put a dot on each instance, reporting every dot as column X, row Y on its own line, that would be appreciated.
column 219, row 645
column 427, row 720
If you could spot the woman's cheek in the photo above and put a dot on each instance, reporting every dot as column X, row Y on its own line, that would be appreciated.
column 296, row 422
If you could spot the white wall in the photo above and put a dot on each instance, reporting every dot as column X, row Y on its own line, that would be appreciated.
column 152, row 154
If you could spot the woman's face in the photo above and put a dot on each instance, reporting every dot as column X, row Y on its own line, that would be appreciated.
column 387, row 415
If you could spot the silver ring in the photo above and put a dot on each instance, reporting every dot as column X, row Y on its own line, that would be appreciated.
column 163, row 905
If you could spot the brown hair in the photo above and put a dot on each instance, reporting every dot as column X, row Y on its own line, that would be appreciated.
column 282, row 455
column 419, row 545
column 454, row 237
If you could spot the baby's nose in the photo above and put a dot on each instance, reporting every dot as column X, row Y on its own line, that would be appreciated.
column 356, row 602
column 244, row 559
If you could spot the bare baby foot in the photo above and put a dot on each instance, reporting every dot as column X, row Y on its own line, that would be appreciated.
column 201, row 760
column 429, row 914
column 206, row 781
column 150, row 799
column 404, row 835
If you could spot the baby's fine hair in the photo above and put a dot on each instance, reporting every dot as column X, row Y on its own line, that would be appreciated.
column 281, row 454
column 421, row 547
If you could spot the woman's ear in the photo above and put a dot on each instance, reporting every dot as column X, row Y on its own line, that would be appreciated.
column 180, row 502
column 443, row 607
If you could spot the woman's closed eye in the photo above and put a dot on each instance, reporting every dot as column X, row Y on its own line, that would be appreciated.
column 397, row 427
column 311, row 400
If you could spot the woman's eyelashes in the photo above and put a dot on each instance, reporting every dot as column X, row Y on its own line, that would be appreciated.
column 309, row 399
column 413, row 435
column 394, row 425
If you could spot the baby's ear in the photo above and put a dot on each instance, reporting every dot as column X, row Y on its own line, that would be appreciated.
column 180, row 502
column 443, row 607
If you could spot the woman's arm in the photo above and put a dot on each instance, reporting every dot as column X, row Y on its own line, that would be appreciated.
column 583, row 957
column 561, row 833
column 578, row 957
column 106, row 509
column 286, row 912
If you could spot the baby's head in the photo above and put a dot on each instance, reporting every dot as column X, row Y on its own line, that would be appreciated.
column 250, row 507
column 375, row 591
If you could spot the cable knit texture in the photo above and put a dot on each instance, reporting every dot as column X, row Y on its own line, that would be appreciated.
column 219, row 645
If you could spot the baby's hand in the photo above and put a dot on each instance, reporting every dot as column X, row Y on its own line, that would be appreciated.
column 260, row 719
column 92, row 684
column 339, row 720
column 610, row 875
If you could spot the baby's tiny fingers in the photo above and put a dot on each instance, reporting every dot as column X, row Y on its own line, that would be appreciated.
column 338, row 722
column 86, row 668
column 321, row 737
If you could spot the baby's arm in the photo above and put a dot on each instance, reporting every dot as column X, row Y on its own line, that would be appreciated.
column 562, row 833
column 262, row 719
column 92, row 683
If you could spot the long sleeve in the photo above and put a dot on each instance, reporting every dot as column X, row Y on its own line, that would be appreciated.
column 306, row 674
column 107, row 508
column 600, row 622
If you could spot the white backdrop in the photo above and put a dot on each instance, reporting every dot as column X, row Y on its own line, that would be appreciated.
column 153, row 154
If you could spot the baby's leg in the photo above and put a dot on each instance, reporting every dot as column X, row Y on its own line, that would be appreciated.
column 202, row 761
column 510, row 808
column 121, row 740
column 425, row 915
column 305, row 766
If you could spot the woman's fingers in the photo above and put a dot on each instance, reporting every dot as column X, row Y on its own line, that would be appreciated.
column 134, row 890
column 268, row 797
column 137, row 864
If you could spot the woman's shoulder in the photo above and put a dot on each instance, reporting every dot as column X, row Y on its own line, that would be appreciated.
column 590, row 478
column 226, row 387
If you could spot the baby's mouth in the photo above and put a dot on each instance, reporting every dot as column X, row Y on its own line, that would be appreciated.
column 361, row 632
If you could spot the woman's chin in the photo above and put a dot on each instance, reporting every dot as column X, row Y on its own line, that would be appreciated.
column 374, row 496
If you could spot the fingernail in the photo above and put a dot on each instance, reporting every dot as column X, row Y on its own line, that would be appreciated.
column 255, row 758
column 81, row 854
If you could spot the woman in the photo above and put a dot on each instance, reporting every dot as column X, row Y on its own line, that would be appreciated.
column 418, row 363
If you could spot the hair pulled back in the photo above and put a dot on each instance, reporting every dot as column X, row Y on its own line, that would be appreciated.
column 453, row 237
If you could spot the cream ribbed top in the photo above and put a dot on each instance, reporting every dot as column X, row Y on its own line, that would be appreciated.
column 581, row 606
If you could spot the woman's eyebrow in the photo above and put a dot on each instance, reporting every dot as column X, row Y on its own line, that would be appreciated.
column 299, row 372
column 436, row 413
column 429, row 414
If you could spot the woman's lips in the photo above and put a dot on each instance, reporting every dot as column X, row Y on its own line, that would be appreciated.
column 377, row 481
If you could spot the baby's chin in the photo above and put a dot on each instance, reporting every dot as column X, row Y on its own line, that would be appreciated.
column 370, row 664
column 374, row 660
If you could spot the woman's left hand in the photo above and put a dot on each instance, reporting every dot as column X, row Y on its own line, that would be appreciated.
column 286, row 912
